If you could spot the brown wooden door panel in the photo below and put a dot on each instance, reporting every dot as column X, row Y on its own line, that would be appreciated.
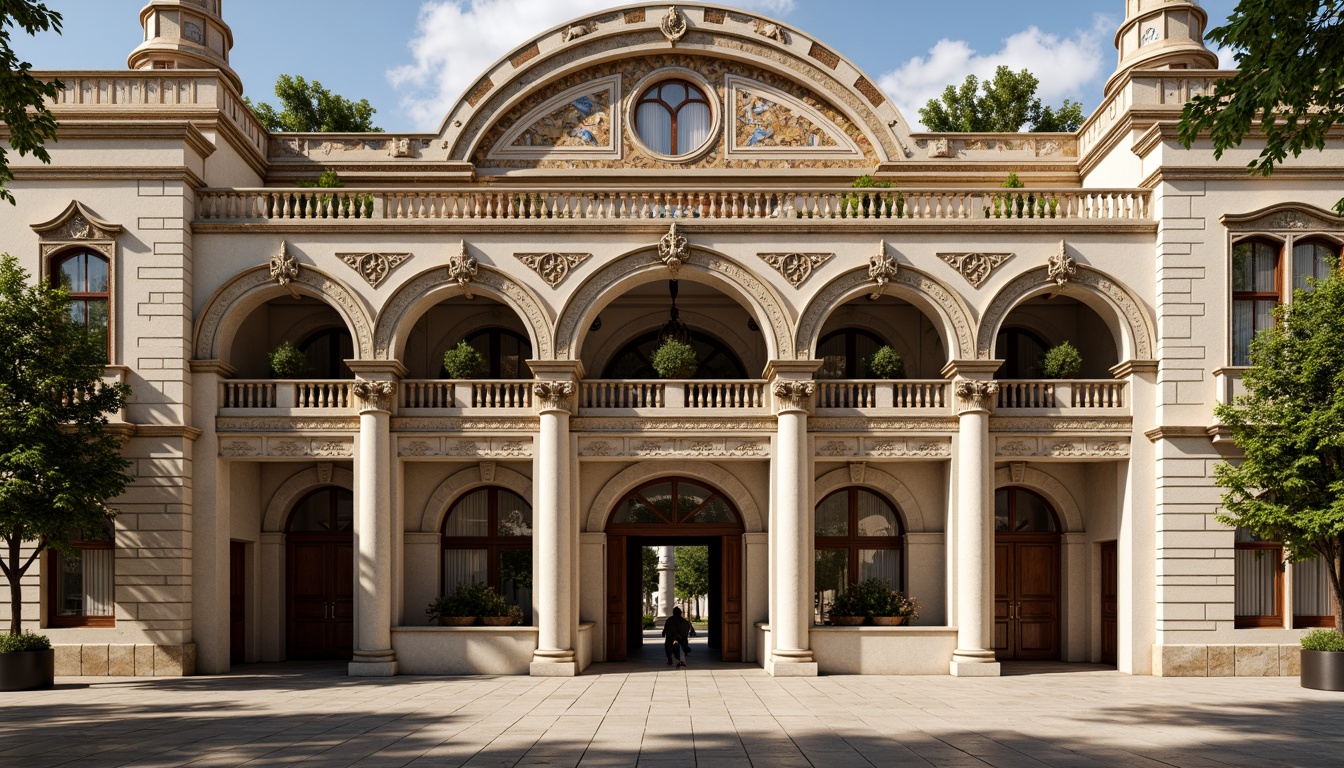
column 1026, row 597
column 1110, row 603
column 732, row 599
column 1037, row 569
column 1003, row 595
column 616, row 598
column 319, row 600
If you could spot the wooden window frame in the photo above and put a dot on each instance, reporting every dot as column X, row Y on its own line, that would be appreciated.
column 853, row 543
column 1274, row 621
column 679, row 528
column 54, row 279
column 654, row 95
column 1284, row 254
column 493, row 543
column 53, row 563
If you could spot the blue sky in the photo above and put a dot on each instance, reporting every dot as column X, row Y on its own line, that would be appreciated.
column 412, row 58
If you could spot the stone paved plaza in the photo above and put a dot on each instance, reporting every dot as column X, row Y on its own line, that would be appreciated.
column 635, row 714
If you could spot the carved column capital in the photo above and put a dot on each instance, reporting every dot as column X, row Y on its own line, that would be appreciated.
column 553, row 395
column 793, row 395
column 375, row 395
column 975, row 395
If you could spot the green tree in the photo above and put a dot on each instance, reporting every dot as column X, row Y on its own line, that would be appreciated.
column 58, row 463
column 28, row 123
column 649, row 575
column 1290, row 486
column 307, row 107
column 1004, row 104
column 1290, row 83
column 692, row 579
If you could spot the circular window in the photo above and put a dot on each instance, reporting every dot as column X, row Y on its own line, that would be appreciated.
column 674, row 118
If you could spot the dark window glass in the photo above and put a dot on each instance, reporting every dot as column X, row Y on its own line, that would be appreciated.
column 844, row 354
column 715, row 359
column 326, row 510
column 1021, row 351
column 85, row 276
column 1017, row 510
column 327, row 352
column 506, row 354
column 858, row 536
column 487, row 538
column 82, row 584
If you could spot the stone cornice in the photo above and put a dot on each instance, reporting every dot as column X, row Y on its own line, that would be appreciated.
column 167, row 430
column 123, row 129
column 1176, row 433
column 108, row 173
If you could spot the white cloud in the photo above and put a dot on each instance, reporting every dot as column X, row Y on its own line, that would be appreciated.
column 1066, row 66
column 456, row 40
column 1227, row 57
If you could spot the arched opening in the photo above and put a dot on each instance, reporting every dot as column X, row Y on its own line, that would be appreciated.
column 674, row 512
column 859, row 536
column 309, row 324
column 1038, row 324
column 487, row 538
column 857, row 328
column 493, row 329
column 726, row 338
column 1027, row 599
column 319, row 576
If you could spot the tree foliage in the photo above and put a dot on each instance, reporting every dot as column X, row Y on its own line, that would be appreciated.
column 1290, row 486
column 307, row 107
column 1290, row 83
column 1006, row 103
column 58, row 464
column 692, row 579
column 649, row 575
column 28, row 123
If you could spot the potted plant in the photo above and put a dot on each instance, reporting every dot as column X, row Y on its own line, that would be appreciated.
column 847, row 610
column 884, row 363
column 1323, row 660
column 463, row 361
column 456, row 609
column 27, row 662
column 287, row 362
column 1061, row 362
column 674, row 360
column 893, row 607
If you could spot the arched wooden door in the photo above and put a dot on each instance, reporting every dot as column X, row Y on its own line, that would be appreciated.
column 672, row 511
column 320, row 577
column 1026, row 577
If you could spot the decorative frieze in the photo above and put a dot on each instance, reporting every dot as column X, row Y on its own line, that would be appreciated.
column 552, row 267
column 462, row 268
column 286, row 447
column 796, row 267
column 1060, row 424
column 418, row 447
column 1030, row 446
column 374, row 267
column 284, row 268
column 882, row 269
column 673, row 249
column 975, row 267
column 690, row 448
column 673, row 25
column 1060, row 268
column 883, row 448
column 287, row 424
column 375, row 395
column 553, row 395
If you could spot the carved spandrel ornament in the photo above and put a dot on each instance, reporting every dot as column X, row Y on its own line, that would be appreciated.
column 882, row 269
column 375, row 395
column 976, row 394
column 553, row 395
column 1060, row 267
column 374, row 267
column 552, row 267
column 796, row 267
column 793, row 395
column 463, row 268
column 975, row 267
column 284, row 268
column 673, row 250
column 673, row 25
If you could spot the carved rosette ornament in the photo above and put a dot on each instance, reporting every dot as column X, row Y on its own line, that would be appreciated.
column 673, row 24
column 977, row 395
column 796, row 267
column 376, row 395
column 1061, row 267
column 552, row 267
column 673, row 249
column 374, row 267
column 793, row 395
column 882, row 269
column 284, row 267
column 553, row 395
column 462, row 268
column 975, row 267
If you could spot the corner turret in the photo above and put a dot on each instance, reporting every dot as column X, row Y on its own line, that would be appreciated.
column 185, row 34
column 1161, row 34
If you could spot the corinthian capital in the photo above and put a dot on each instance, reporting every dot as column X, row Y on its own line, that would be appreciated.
column 553, row 395
column 376, row 395
column 793, row 394
column 976, row 394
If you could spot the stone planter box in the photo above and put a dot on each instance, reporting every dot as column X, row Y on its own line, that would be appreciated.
column 27, row 670
column 1323, row 670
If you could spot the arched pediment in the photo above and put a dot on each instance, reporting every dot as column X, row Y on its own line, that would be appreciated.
column 564, row 99
column 1285, row 217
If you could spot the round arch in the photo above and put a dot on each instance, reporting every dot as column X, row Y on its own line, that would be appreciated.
column 463, row 482
column 423, row 291
column 298, row 486
column 1048, row 488
column 1123, row 313
column 229, row 306
column 643, row 266
column 951, row 316
column 728, row 336
column 634, row 476
column 874, row 480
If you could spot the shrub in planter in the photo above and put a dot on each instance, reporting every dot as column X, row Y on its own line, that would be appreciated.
column 1323, row 660
column 674, row 360
column 1061, row 362
column 26, row 662
column 468, row 602
column 287, row 362
column 463, row 361
column 848, row 609
column 885, row 363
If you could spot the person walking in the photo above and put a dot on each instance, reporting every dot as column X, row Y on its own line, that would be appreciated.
column 677, row 630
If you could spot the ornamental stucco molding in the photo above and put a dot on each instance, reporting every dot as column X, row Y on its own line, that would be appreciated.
column 374, row 267
column 287, row 424
column 674, row 424
column 884, row 448
column 76, row 225
column 690, row 448
column 673, row 25
column 882, row 424
column 489, row 425
column 796, row 267
column 1030, row 446
column 1285, row 217
column 882, row 269
column 975, row 267
column 673, row 249
column 976, row 395
column 463, row 268
column 481, row 447
column 284, row 268
column 552, row 267
column 793, row 395
column 1060, row 267
column 1016, row 424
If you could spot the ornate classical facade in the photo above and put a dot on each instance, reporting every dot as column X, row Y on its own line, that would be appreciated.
column 641, row 174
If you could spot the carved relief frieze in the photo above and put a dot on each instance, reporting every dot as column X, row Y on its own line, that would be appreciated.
column 643, row 447
column 882, row 424
column 659, row 424
column 478, row 447
column 917, row 448
column 1017, row 424
column 374, row 267
column 575, row 31
column 287, row 424
column 495, row 424
column 287, row 447
column 1026, row 446
column 796, row 267
column 975, row 267
column 552, row 267
column 772, row 30
column 1286, row 217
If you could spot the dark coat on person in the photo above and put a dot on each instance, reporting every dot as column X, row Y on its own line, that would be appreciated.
column 676, row 628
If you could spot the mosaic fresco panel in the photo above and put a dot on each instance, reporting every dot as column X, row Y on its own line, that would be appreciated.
column 762, row 122
column 583, row 122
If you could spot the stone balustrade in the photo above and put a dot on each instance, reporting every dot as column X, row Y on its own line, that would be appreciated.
column 871, row 393
column 265, row 394
column 1100, row 394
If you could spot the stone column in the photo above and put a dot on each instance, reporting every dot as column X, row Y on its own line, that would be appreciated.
column 791, row 525
column 974, row 520
column 667, row 582
column 210, row 524
column 553, row 522
column 1140, row 538
column 374, row 580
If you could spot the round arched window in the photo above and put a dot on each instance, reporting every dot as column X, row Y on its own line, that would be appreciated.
column 673, row 118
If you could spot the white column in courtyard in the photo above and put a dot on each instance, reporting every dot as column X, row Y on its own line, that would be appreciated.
column 974, row 477
column 553, row 521
column 791, row 524
column 667, row 582
column 374, row 521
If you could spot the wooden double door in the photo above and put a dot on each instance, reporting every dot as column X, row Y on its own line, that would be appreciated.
column 319, row 596
column 1026, row 597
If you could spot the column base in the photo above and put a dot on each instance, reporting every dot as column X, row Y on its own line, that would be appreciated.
column 791, row 664
column 373, row 664
column 553, row 664
column 974, row 663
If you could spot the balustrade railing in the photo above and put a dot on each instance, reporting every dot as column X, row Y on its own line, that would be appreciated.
column 1104, row 394
column 601, row 393
column 870, row 393
column 427, row 393
column 706, row 394
column 799, row 204
column 512, row 393
column 323, row 395
column 725, row 394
